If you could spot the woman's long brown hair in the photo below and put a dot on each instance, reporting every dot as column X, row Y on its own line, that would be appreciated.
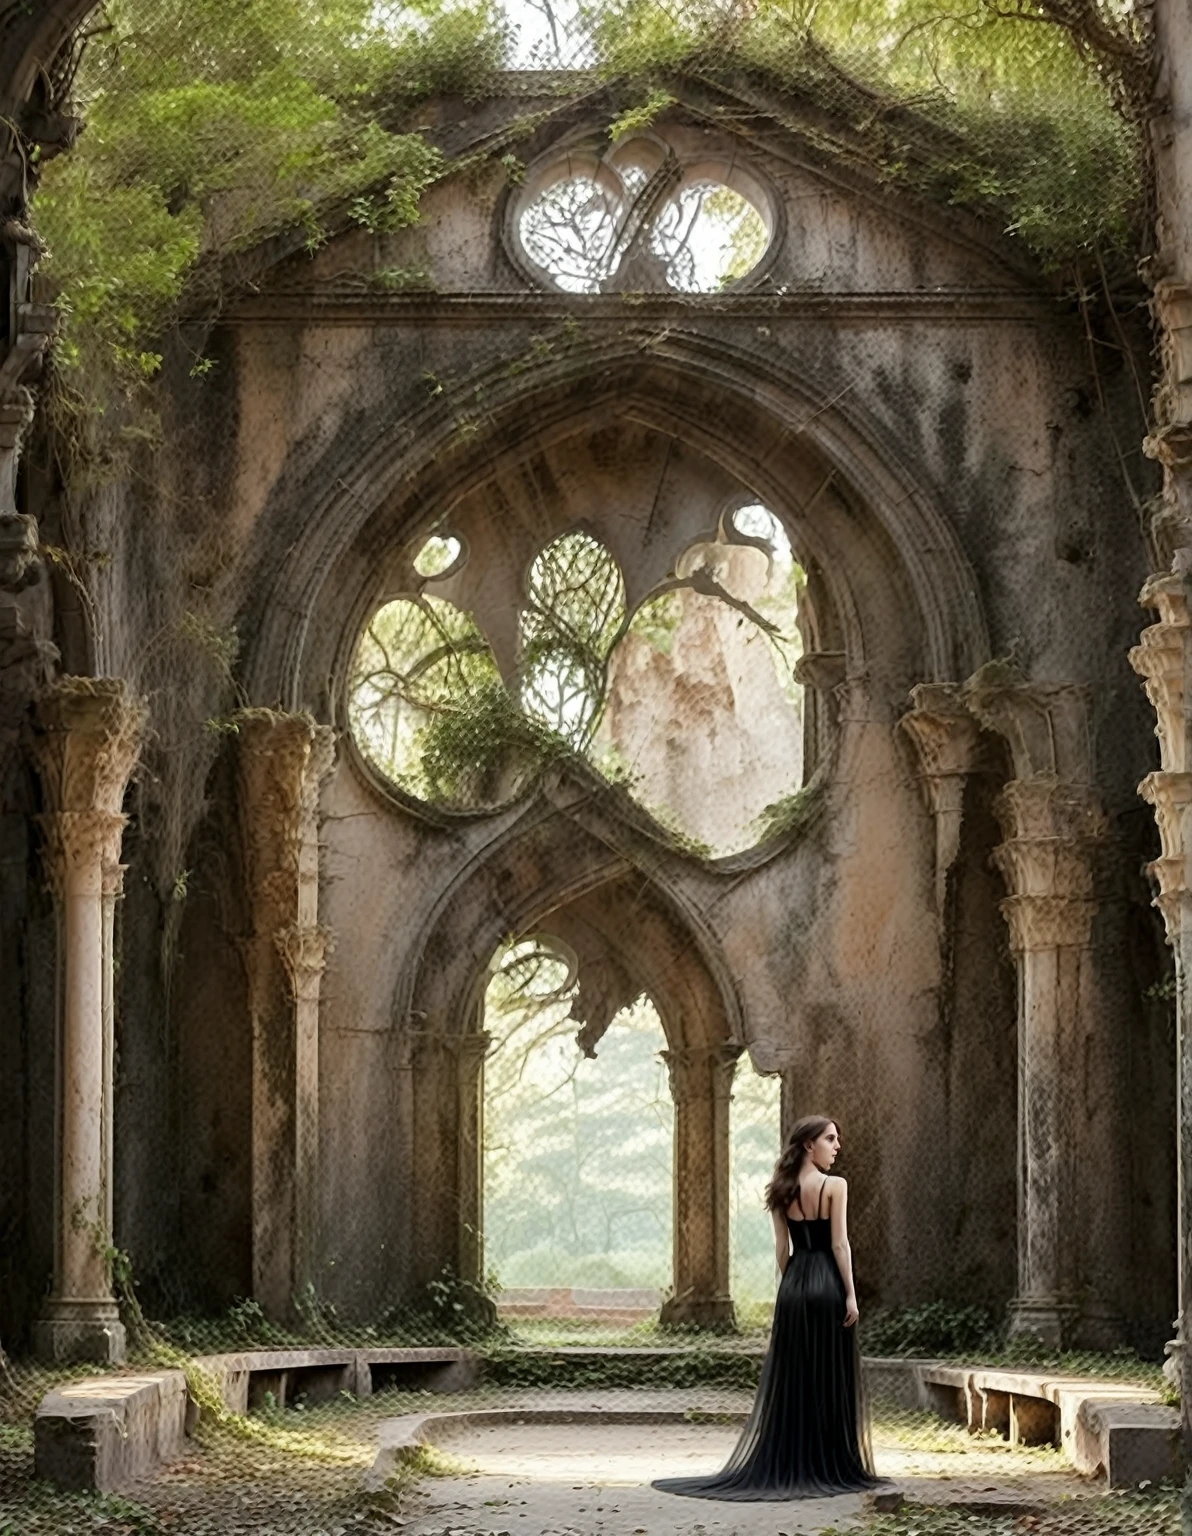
column 783, row 1189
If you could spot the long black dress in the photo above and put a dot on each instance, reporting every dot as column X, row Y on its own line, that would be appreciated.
column 807, row 1436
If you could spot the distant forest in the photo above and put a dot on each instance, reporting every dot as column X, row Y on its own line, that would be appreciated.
column 578, row 1154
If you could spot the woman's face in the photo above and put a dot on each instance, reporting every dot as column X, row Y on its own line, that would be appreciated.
column 823, row 1149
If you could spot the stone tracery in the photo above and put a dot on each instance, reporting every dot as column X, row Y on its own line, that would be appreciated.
column 716, row 640
column 643, row 217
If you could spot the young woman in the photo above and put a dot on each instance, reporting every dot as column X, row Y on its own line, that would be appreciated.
column 807, row 1435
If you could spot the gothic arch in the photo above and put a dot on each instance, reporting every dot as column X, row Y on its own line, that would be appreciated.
column 566, row 882
column 873, row 523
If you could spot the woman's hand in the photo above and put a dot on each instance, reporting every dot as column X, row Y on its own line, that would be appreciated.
column 850, row 1311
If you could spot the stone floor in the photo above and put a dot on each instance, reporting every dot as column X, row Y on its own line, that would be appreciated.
column 305, row 1473
column 561, row 1480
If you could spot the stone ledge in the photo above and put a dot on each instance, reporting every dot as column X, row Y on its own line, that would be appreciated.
column 104, row 1433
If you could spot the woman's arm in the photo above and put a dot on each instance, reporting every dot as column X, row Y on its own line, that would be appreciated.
column 782, row 1242
column 840, row 1247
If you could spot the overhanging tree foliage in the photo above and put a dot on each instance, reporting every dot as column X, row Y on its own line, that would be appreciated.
column 213, row 125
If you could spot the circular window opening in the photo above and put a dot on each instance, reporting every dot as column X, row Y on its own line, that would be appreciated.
column 569, row 231
column 437, row 556
column 708, row 236
column 641, row 223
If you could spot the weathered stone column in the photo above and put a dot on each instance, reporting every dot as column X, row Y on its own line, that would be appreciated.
column 86, row 737
column 1162, row 657
column 1051, row 821
column 439, row 1104
column 113, row 889
column 1050, row 829
column 282, row 760
column 701, row 1080
column 1164, row 661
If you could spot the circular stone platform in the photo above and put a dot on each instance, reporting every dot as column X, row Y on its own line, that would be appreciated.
column 538, row 1471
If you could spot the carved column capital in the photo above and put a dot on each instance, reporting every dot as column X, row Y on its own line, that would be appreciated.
column 81, row 847
column 696, row 1070
column 274, row 750
column 945, row 736
column 304, row 948
column 85, row 738
column 1171, row 796
column 1045, row 725
column 947, row 743
column 1052, row 829
column 1161, row 658
column 282, row 761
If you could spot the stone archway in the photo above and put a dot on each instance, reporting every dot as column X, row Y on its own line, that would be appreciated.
column 560, row 881
column 897, row 602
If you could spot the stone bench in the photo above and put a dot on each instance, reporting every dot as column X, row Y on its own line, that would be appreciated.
column 104, row 1433
column 107, row 1432
column 1125, row 1432
column 246, row 1380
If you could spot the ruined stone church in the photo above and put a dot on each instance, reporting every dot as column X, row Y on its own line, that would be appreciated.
column 853, row 799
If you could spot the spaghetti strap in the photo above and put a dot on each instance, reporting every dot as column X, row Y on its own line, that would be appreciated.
column 819, row 1206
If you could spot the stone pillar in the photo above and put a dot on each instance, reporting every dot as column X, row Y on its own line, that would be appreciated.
column 439, row 1103
column 86, row 737
column 282, row 760
column 470, row 1053
column 113, row 889
column 701, row 1079
column 1047, row 861
column 946, row 740
column 1052, row 824
column 1163, row 658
